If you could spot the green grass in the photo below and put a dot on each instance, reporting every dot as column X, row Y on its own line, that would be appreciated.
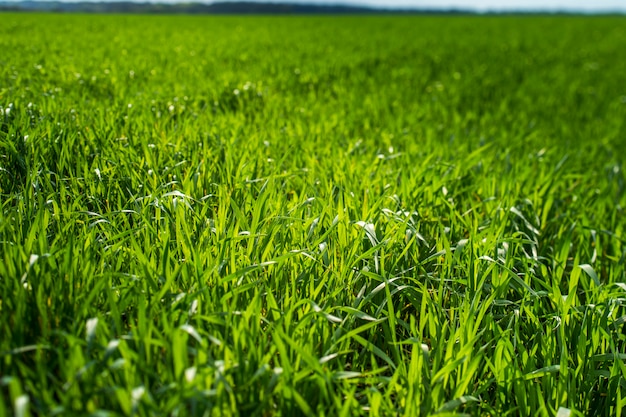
column 312, row 215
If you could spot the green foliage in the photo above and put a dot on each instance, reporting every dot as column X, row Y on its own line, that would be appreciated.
column 312, row 215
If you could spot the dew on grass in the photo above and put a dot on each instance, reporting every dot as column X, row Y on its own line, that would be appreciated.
column 594, row 255
column 137, row 394
column 591, row 273
column 97, row 222
column 192, row 332
column 112, row 347
column 22, row 404
column 341, row 375
column 563, row 412
column 91, row 326
column 193, row 308
column 461, row 244
column 190, row 374
column 502, row 252
column 7, row 110
column 178, row 298
column 370, row 231
column 118, row 364
column 327, row 358
column 528, row 225
column 313, row 226
column 329, row 317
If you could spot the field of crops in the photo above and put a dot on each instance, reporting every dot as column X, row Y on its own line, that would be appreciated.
column 312, row 215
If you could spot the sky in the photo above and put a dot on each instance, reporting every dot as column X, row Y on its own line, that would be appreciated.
column 586, row 5
column 478, row 5
column 580, row 5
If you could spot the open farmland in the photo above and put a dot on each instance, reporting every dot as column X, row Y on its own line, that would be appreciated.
column 312, row 215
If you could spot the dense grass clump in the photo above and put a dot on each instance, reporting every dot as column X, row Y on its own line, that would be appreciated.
column 312, row 216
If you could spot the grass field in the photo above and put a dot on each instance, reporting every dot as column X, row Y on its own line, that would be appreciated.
column 335, row 216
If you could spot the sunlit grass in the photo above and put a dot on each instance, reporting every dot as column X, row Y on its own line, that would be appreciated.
column 312, row 216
